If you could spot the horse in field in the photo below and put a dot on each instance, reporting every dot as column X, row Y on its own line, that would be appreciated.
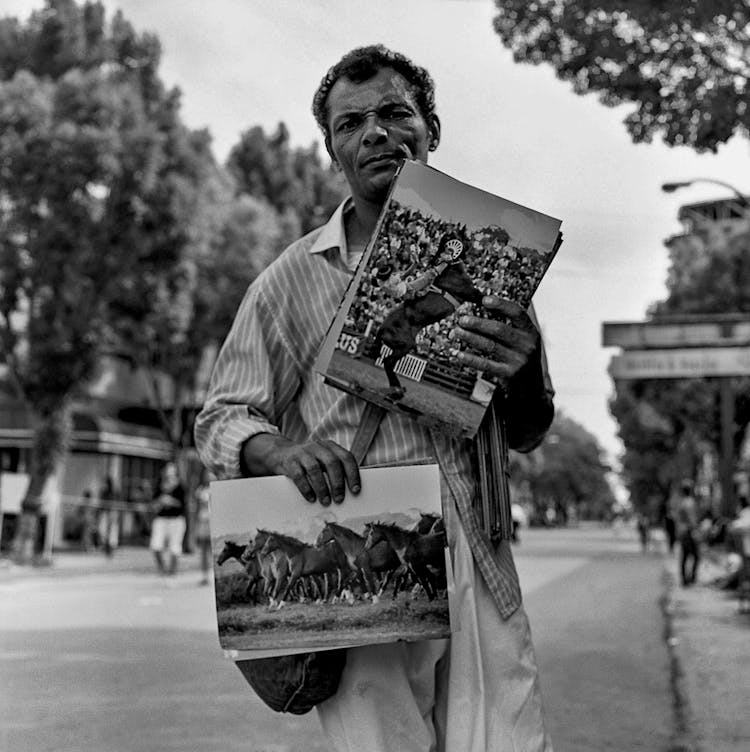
column 381, row 559
column 424, row 555
column 274, row 567
column 450, row 286
column 305, row 560
column 236, row 551
column 231, row 550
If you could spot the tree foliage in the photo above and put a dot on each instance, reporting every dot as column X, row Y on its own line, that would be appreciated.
column 292, row 180
column 269, row 194
column 666, row 426
column 101, row 193
column 566, row 469
column 683, row 64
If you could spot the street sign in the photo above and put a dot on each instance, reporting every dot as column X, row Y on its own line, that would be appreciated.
column 693, row 362
column 693, row 331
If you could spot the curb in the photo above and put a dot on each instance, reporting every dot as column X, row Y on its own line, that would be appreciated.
column 683, row 736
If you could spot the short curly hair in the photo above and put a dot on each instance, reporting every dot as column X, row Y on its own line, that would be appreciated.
column 361, row 64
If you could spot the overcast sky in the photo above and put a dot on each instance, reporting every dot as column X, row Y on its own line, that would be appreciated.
column 508, row 128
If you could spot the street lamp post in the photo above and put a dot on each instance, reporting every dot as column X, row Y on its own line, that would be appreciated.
column 726, row 396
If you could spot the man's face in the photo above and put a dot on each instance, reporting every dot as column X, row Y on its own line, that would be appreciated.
column 369, row 124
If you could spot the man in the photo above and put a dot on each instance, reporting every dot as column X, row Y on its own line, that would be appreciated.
column 110, row 516
column 687, row 534
column 168, row 527
column 268, row 413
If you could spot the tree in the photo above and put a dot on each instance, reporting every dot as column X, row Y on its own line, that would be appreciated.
column 566, row 469
column 292, row 180
column 666, row 426
column 242, row 217
column 684, row 64
column 98, row 201
column 193, row 308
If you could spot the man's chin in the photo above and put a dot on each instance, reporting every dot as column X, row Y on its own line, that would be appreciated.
column 380, row 184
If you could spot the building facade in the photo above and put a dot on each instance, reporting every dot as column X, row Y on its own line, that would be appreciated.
column 116, row 435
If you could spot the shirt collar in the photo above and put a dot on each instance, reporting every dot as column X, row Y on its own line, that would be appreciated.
column 333, row 233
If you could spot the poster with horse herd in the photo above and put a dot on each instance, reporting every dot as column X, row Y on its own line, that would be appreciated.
column 292, row 576
column 440, row 247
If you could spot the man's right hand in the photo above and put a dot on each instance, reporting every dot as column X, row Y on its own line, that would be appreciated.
column 321, row 470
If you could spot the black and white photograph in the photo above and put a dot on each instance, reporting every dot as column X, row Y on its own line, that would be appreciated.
column 276, row 247
column 291, row 576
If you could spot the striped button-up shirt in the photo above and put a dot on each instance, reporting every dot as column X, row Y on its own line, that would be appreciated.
column 264, row 382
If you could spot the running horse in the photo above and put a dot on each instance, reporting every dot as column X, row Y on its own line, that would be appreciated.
column 422, row 554
column 305, row 560
column 273, row 567
column 444, row 286
column 236, row 551
column 379, row 559
column 231, row 550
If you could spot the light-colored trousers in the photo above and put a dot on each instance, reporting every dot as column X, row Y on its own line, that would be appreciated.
column 477, row 692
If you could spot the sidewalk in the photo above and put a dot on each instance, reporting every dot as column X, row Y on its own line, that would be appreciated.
column 710, row 645
column 70, row 562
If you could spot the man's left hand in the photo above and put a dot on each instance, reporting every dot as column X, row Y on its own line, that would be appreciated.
column 504, row 343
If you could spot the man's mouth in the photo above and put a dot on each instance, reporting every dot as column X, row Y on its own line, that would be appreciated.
column 382, row 159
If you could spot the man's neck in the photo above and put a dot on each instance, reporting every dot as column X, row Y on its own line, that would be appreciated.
column 360, row 223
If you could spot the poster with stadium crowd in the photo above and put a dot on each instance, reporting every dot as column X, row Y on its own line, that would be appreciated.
column 440, row 247
column 292, row 576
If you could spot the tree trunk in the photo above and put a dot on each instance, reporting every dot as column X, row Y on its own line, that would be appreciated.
column 51, row 438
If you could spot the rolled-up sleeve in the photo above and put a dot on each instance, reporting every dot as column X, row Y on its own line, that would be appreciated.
column 253, row 380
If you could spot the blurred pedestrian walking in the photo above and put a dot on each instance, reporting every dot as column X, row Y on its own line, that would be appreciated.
column 643, row 524
column 670, row 525
column 109, row 517
column 687, row 533
column 168, row 526
column 519, row 520
column 89, row 533
column 202, row 530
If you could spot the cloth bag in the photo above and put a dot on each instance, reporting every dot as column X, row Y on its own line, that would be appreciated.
column 295, row 683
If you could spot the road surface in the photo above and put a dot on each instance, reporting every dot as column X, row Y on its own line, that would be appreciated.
column 125, row 663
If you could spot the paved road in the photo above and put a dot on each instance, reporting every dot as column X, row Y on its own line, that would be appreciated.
column 123, row 663
column 598, row 632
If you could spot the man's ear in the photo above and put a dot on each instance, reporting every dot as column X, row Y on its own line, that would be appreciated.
column 434, row 130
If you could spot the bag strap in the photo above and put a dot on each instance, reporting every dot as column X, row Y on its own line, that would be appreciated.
column 369, row 423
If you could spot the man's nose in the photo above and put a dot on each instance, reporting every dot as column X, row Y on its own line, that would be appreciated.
column 374, row 132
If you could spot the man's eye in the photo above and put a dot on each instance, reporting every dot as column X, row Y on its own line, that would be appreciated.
column 347, row 125
column 397, row 113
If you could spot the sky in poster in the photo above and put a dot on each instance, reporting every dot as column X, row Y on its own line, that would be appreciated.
column 511, row 129
column 240, row 506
